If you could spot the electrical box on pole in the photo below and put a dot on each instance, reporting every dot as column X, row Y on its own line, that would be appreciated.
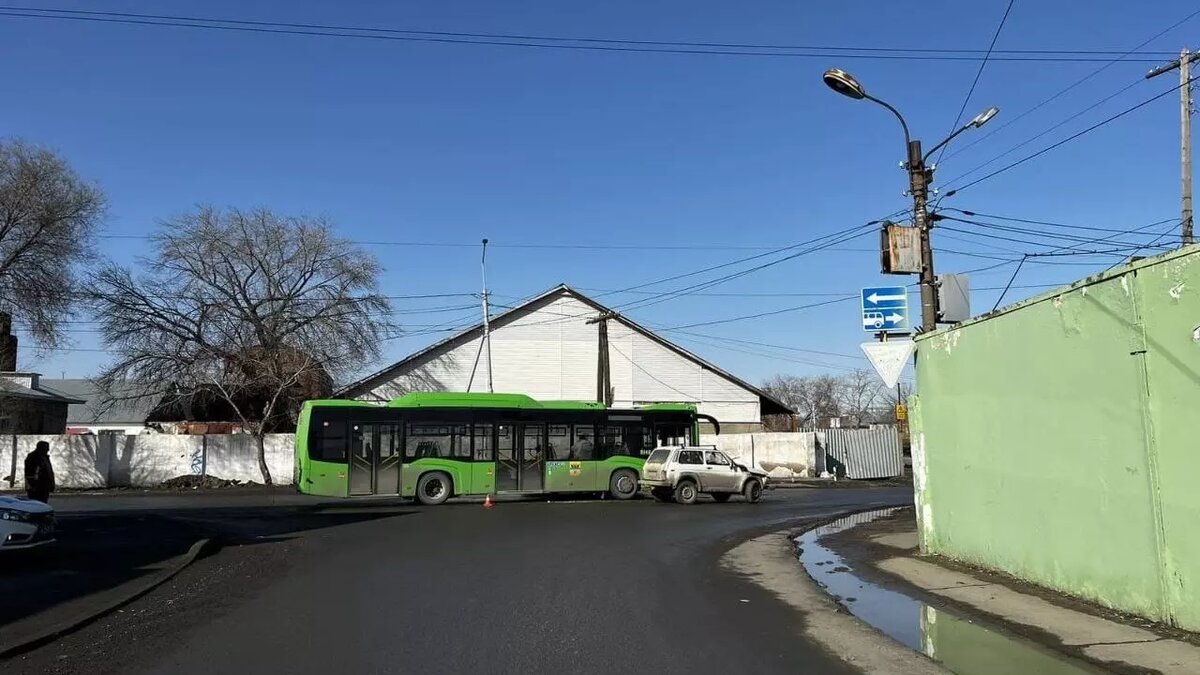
column 954, row 298
column 900, row 249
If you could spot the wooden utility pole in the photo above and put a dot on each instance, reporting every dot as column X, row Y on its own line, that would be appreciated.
column 603, row 368
column 1183, row 63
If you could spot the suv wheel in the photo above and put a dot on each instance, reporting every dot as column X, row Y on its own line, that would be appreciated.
column 752, row 490
column 686, row 492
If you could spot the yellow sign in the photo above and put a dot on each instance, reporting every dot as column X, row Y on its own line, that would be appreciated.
column 576, row 472
column 575, row 465
column 901, row 412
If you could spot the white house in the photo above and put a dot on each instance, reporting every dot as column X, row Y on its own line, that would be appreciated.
column 547, row 349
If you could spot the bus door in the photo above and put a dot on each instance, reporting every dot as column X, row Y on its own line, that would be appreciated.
column 375, row 453
column 520, row 456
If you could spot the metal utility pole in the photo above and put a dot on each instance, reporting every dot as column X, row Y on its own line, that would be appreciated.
column 487, row 334
column 919, row 179
column 603, row 368
column 1183, row 63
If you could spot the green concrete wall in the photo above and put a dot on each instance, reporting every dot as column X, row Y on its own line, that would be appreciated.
column 1055, row 440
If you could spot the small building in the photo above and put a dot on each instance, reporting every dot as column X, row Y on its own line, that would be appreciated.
column 27, row 406
column 550, row 348
column 126, row 414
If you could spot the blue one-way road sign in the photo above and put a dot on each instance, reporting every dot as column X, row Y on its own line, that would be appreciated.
column 885, row 309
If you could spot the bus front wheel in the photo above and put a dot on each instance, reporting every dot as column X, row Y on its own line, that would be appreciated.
column 623, row 484
column 433, row 488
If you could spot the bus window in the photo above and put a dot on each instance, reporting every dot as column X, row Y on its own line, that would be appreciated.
column 639, row 439
column 483, row 443
column 329, row 441
column 428, row 440
column 673, row 434
column 584, row 445
column 560, row 441
column 461, row 441
column 613, row 441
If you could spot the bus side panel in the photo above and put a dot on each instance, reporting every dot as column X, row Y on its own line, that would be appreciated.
column 605, row 468
column 570, row 475
column 327, row 479
column 483, row 478
column 459, row 472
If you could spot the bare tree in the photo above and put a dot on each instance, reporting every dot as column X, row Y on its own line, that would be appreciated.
column 813, row 398
column 859, row 394
column 48, row 219
column 251, row 307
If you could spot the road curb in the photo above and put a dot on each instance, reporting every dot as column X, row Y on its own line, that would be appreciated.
column 769, row 561
column 45, row 627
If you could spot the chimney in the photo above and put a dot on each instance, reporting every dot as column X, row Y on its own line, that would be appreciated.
column 8, row 344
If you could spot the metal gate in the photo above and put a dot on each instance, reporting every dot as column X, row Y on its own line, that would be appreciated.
column 863, row 453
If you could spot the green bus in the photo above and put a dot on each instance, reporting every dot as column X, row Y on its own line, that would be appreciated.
column 437, row 445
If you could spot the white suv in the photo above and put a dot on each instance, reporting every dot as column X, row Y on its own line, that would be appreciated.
column 25, row 523
column 682, row 473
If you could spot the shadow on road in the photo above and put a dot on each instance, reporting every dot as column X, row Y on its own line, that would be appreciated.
column 103, row 549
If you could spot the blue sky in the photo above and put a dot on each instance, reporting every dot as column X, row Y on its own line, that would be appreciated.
column 444, row 143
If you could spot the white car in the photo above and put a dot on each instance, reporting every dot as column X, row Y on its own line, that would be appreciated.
column 25, row 523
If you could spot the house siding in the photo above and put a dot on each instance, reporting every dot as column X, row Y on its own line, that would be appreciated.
column 549, row 351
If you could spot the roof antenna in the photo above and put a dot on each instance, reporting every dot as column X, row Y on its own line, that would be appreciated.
column 487, row 335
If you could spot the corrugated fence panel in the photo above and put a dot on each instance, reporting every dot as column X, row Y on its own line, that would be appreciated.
column 864, row 453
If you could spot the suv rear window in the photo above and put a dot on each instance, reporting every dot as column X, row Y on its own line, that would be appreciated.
column 690, row 457
column 658, row 457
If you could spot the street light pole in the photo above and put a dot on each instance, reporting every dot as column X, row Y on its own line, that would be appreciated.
column 920, row 177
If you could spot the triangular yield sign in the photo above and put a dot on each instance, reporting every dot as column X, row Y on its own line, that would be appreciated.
column 889, row 358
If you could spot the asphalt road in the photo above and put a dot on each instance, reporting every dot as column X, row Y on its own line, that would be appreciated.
column 563, row 587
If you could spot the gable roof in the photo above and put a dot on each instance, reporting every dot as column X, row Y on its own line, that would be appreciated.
column 87, row 409
column 41, row 393
column 769, row 404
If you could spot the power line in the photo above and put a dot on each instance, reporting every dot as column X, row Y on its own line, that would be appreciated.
column 762, row 314
column 639, row 304
column 1047, row 223
column 1040, row 233
column 539, row 42
column 1106, row 66
column 1070, row 138
column 549, row 38
column 475, row 245
column 978, row 74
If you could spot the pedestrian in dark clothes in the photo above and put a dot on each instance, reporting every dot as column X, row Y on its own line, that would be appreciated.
column 39, row 473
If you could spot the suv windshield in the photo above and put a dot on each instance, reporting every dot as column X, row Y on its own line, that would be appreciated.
column 658, row 457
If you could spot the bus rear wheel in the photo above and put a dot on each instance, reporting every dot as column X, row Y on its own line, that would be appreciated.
column 433, row 488
column 623, row 484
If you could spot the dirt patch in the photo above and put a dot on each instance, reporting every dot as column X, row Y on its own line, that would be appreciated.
column 203, row 482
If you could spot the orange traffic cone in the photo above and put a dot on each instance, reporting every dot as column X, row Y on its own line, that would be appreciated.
column 487, row 502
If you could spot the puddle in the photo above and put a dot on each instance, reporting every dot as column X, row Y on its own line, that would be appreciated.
column 960, row 645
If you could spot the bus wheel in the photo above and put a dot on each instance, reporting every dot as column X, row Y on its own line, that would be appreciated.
column 685, row 492
column 623, row 484
column 433, row 488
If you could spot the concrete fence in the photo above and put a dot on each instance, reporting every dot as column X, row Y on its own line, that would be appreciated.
column 848, row 453
column 144, row 460
column 780, row 454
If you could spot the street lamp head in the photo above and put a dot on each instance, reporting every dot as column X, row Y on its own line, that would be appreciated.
column 844, row 83
column 985, row 116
